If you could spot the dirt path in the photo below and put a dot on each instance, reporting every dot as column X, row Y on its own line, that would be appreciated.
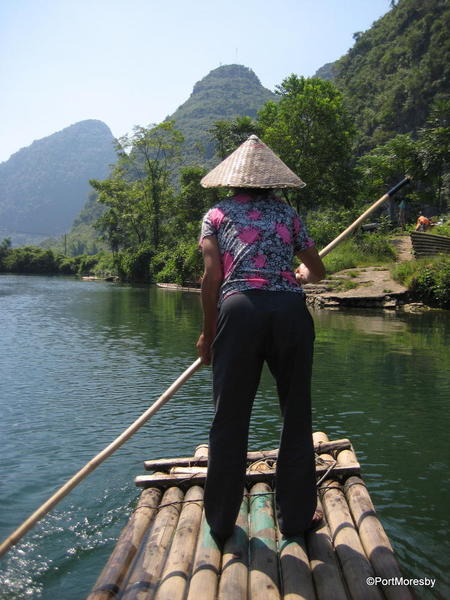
column 403, row 247
column 364, row 286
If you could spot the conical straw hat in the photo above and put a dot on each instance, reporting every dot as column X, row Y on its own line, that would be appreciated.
column 252, row 165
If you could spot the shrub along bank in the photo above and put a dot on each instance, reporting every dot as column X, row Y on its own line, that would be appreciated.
column 32, row 260
column 428, row 279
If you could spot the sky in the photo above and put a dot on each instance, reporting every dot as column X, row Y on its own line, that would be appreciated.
column 134, row 62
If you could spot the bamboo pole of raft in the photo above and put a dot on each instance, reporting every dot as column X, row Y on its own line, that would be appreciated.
column 374, row 539
column 97, row 460
column 145, row 575
column 264, row 583
column 347, row 458
column 325, row 568
column 234, row 578
column 178, row 566
column 206, row 569
column 296, row 577
column 361, row 218
column 356, row 567
column 164, row 464
column 319, row 437
column 197, row 475
column 110, row 582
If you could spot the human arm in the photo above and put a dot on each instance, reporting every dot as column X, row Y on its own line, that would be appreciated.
column 312, row 268
column 211, row 282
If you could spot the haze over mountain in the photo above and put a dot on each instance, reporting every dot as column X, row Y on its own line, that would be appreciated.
column 43, row 187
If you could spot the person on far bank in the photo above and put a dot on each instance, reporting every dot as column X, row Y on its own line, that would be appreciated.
column 423, row 223
column 402, row 213
column 254, row 311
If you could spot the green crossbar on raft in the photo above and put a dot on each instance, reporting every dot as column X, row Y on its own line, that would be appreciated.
column 166, row 551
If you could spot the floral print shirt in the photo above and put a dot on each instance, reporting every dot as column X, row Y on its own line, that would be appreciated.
column 257, row 238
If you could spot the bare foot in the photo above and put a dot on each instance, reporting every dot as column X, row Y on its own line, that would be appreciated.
column 316, row 520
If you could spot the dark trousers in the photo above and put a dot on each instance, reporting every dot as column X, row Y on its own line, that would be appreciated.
column 254, row 327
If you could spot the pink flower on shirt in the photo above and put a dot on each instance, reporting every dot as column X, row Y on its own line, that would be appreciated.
column 254, row 214
column 296, row 224
column 289, row 276
column 259, row 261
column 216, row 217
column 257, row 282
column 248, row 235
column 283, row 232
column 227, row 263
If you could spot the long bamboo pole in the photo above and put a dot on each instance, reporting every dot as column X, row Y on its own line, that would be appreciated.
column 97, row 460
column 361, row 218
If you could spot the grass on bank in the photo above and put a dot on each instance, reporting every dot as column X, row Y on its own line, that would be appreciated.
column 360, row 251
column 443, row 229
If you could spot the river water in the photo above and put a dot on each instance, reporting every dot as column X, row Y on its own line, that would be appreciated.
column 80, row 361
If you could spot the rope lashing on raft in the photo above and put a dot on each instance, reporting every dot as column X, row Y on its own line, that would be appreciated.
column 270, row 463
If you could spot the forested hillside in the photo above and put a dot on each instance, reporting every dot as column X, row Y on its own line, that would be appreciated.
column 226, row 92
column 396, row 71
column 44, row 186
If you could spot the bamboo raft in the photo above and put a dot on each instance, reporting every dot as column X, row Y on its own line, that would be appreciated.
column 166, row 551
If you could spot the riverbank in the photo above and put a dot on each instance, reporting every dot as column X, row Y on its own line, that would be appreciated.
column 370, row 286
column 373, row 285
column 381, row 291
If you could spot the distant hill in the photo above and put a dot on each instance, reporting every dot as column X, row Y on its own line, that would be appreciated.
column 327, row 72
column 225, row 93
column 43, row 187
column 396, row 70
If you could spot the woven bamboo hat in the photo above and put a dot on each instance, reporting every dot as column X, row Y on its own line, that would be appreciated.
column 252, row 165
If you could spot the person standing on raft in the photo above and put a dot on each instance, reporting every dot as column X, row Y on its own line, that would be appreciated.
column 254, row 311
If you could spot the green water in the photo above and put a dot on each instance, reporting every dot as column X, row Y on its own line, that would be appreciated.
column 81, row 360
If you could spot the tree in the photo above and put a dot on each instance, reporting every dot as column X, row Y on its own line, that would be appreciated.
column 150, row 156
column 426, row 158
column 193, row 200
column 228, row 135
column 434, row 152
column 386, row 165
column 139, row 186
column 123, row 224
column 179, row 258
column 310, row 130
column 5, row 246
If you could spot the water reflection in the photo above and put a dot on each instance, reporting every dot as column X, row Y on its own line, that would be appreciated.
column 82, row 360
